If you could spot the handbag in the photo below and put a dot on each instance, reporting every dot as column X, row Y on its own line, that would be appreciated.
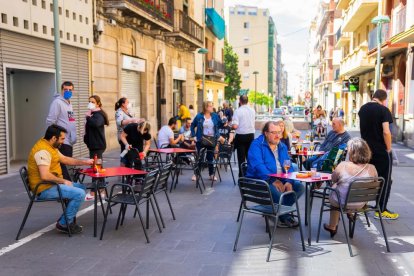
column 208, row 141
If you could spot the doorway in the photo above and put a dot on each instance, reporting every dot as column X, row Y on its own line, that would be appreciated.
column 161, row 100
column 29, row 94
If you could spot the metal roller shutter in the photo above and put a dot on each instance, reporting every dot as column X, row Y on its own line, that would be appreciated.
column 130, row 83
column 21, row 49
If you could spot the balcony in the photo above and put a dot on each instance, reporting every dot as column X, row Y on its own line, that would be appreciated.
column 145, row 15
column 388, row 45
column 357, row 12
column 213, row 67
column 357, row 62
column 398, row 20
column 342, row 4
column 187, row 32
column 372, row 36
column 342, row 39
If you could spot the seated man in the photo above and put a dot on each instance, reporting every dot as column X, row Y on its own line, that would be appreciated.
column 266, row 156
column 44, row 165
column 336, row 137
column 185, row 130
column 166, row 135
column 226, row 132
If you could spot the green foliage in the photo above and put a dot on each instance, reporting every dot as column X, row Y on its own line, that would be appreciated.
column 232, row 75
column 260, row 98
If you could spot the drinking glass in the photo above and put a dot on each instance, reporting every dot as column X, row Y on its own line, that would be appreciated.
column 98, row 164
column 286, row 166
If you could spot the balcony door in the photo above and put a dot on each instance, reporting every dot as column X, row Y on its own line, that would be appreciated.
column 161, row 100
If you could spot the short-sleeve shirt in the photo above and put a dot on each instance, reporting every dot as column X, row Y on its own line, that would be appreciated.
column 43, row 158
column 225, row 132
column 244, row 117
column 164, row 136
column 371, row 117
column 208, row 127
column 135, row 138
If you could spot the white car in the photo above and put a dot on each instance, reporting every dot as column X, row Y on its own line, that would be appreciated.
column 286, row 109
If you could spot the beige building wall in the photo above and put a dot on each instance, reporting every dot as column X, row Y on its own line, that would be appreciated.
column 254, row 38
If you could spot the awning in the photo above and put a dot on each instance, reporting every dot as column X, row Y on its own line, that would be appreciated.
column 215, row 23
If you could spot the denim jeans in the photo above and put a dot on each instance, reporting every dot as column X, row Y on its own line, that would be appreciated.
column 209, row 156
column 288, row 200
column 75, row 195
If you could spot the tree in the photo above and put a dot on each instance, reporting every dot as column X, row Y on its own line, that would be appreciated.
column 231, row 70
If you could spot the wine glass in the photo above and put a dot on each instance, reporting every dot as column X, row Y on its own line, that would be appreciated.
column 286, row 166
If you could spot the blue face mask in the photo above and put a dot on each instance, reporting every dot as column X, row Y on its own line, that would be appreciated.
column 67, row 94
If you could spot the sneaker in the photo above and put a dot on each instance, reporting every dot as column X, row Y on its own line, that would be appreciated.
column 387, row 215
column 212, row 177
column 62, row 228
column 282, row 224
column 291, row 222
column 89, row 197
column 75, row 228
column 193, row 178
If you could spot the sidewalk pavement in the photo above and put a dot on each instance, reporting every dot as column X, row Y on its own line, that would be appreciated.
column 200, row 240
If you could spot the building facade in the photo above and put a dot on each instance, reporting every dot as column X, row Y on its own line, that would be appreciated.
column 27, row 71
column 250, row 31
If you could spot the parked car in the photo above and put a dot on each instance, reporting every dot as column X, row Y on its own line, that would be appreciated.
column 290, row 108
column 285, row 109
column 278, row 112
column 298, row 111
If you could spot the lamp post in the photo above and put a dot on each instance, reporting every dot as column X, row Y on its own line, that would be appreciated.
column 56, row 33
column 255, row 88
column 203, row 51
column 311, row 105
column 379, row 20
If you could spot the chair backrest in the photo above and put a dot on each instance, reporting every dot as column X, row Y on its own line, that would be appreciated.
column 255, row 191
column 155, row 143
column 225, row 150
column 149, row 182
column 364, row 189
column 243, row 168
column 164, row 174
column 25, row 179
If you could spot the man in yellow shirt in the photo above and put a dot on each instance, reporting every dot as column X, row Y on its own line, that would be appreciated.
column 183, row 112
column 44, row 165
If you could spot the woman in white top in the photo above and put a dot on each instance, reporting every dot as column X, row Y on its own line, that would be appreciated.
column 123, row 118
column 346, row 172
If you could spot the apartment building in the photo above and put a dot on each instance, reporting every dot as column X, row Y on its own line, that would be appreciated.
column 252, row 34
column 27, row 71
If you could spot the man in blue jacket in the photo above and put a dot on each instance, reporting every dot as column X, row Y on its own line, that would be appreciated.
column 266, row 156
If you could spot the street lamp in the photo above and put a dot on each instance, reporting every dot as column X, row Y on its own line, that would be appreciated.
column 379, row 20
column 56, row 33
column 311, row 105
column 203, row 51
column 255, row 88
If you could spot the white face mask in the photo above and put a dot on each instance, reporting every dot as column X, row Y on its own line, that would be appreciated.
column 91, row 106
column 129, row 105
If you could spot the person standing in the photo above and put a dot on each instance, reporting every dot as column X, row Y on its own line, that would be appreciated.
column 137, row 139
column 192, row 111
column 61, row 114
column 94, row 138
column 243, row 122
column 227, row 111
column 375, row 120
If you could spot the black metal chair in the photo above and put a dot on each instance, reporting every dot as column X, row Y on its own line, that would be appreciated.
column 162, row 186
column 258, row 192
column 129, row 196
column 33, row 198
column 364, row 189
column 195, row 165
column 223, row 157
column 243, row 168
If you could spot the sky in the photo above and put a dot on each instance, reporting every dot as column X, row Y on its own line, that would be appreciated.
column 292, row 19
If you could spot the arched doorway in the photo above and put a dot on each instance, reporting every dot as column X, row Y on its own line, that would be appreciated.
column 161, row 100
column 401, row 86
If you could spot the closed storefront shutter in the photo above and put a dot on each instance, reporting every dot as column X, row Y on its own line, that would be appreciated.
column 130, row 83
column 23, row 50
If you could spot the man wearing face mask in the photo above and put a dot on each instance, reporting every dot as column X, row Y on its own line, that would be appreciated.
column 44, row 165
column 61, row 114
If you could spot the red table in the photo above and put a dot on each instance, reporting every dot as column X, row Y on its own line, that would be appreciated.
column 308, row 181
column 97, row 177
column 172, row 150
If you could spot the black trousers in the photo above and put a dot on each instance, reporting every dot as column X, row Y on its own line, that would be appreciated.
column 383, row 163
column 66, row 150
column 242, row 143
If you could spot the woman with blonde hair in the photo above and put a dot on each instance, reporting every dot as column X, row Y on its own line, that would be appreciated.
column 286, row 136
column 346, row 172
column 205, row 129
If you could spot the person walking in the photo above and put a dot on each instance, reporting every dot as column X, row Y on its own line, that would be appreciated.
column 244, row 123
column 375, row 120
column 61, row 114
column 122, row 118
column 205, row 128
column 94, row 138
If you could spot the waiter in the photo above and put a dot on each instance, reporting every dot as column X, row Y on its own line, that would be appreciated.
column 243, row 122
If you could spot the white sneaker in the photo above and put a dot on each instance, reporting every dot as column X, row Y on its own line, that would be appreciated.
column 212, row 177
column 193, row 178
column 103, row 196
column 89, row 197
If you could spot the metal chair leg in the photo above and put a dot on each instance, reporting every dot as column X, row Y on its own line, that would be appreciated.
column 300, row 225
column 169, row 203
column 159, row 210
column 272, row 238
column 29, row 207
column 366, row 217
column 142, row 223
column 238, row 231
column 267, row 227
column 346, row 234
column 238, row 215
column 155, row 214
column 320, row 222
column 383, row 231
column 105, row 219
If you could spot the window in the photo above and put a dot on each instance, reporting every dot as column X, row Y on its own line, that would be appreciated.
column 254, row 13
column 61, row 34
column 241, row 12
column 245, row 76
column 15, row 21
column 52, row 31
column 264, row 13
column 25, row 1
column 80, row 18
column 246, row 25
column 231, row 11
column 43, row 4
column 246, row 63
column 67, row 36
column 51, row 7
column 4, row 18
column 67, row 13
column 75, row 38
column 34, row 2
column 81, row 39
column 74, row 16
column 87, row 41
column 26, row 24
column 60, row 11
column 44, row 29
column 86, row 20
column 246, row 50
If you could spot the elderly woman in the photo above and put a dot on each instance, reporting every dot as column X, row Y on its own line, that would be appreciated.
column 357, row 166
